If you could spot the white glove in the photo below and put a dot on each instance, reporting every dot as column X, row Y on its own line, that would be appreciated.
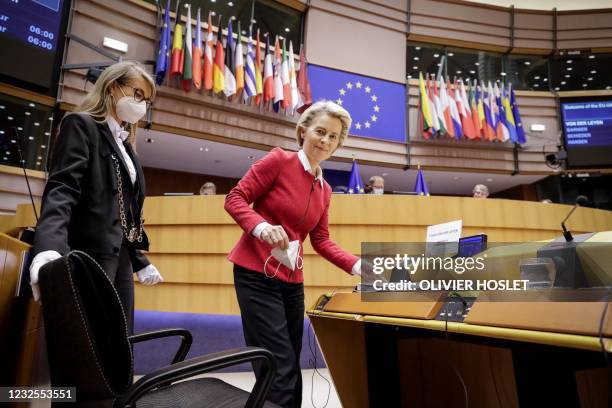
column 149, row 275
column 357, row 268
column 39, row 260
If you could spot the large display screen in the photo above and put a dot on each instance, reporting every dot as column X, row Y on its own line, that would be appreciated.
column 587, row 131
column 30, row 38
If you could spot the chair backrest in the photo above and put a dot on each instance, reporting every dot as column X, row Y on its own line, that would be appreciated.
column 85, row 329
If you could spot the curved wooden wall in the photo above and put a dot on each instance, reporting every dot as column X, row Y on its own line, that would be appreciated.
column 191, row 237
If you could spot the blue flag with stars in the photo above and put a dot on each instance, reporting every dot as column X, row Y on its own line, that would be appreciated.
column 163, row 55
column 355, row 185
column 420, row 186
column 377, row 107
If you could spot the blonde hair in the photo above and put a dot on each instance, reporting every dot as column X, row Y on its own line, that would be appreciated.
column 323, row 107
column 98, row 102
column 481, row 188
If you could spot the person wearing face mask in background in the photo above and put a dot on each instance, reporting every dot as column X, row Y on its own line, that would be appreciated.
column 94, row 196
column 376, row 185
column 290, row 201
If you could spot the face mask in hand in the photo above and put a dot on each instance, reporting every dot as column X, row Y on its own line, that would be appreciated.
column 289, row 257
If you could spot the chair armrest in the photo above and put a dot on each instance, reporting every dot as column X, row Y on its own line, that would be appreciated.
column 203, row 364
column 185, row 335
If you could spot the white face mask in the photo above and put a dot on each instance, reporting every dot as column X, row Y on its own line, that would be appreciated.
column 378, row 191
column 130, row 111
column 289, row 257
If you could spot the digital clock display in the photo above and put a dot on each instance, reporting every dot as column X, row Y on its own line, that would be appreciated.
column 29, row 37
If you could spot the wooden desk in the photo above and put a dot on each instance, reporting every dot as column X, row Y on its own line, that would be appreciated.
column 395, row 360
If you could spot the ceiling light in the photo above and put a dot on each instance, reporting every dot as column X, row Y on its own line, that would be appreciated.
column 31, row 105
column 38, row 163
column 563, row 82
column 589, row 78
column 502, row 73
column 1, row 132
column 569, row 68
column 39, row 157
column 417, row 48
column 608, row 87
column 545, row 80
column 9, row 117
column 557, row 88
column 584, row 85
column 438, row 64
column 416, row 58
column 50, row 117
column 2, row 106
column 409, row 77
column 537, row 127
column 458, row 72
column 536, row 85
column 230, row 3
column 28, row 113
column 36, row 124
column 436, row 55
column 477, row 63
column 13, row 141
column 472, row 72
column 569, row 61
column 30, row 137
column 593, row 72
column 47, row 133
column 450, row 54
column 43, row 146
column 527, row 63
column 415, row 67
column 567, row 75
column 287, row 29
column 591, row 57
column 536, row 77
column 19, row 128
column 254, row 21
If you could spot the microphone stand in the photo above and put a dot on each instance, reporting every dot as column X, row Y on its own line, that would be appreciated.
column 567, row 233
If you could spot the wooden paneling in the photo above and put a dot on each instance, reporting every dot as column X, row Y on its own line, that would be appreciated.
column 160, row 181
column 191, row 237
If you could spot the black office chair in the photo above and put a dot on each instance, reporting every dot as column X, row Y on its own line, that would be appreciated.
column 89, row 348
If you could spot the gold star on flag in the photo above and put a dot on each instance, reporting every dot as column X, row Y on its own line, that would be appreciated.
column 358, row 85
column 351, row 191
column 367, row 124
column 374, row 118
column 342, row 91
column 349, row 85
column 339, row 101
column 374, row 98
column 368, row 89
column 357, row 125
column 376, row 108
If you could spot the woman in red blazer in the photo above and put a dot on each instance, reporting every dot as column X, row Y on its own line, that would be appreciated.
column 290, row 201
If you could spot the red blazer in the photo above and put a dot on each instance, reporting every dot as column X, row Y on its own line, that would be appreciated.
column 279, row 188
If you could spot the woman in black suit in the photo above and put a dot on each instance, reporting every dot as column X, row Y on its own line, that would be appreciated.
column 95, row 192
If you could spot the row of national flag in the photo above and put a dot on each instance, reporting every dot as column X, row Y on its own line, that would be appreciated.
column 224, row 68
column 472, row 111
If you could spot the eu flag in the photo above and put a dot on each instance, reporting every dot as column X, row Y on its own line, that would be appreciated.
column 355, row 185
column 420, row 186
column 163, row 56
column 377, row 107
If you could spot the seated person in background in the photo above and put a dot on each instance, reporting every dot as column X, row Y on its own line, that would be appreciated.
column 546, row 201
column 376, row 185
column 480, row 191
column 208, row 188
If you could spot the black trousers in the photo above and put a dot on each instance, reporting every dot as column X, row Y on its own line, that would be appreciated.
column 119, row 271
column 272, row 314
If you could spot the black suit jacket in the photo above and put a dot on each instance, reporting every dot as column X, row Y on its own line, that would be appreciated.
column 80, row 207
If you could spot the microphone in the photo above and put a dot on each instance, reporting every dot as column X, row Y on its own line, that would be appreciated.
column 27, row 234
column 580, row 201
